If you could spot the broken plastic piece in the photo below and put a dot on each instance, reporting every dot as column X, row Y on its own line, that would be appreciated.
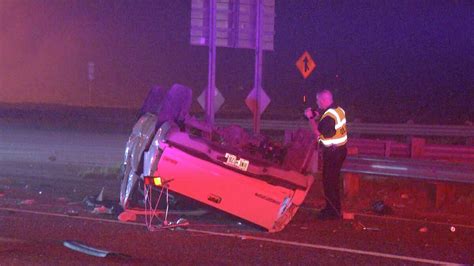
column 100, row 197
column 348, row 215
column 27, row 202
column 180, row 223
column 103, row 210
column 423, row 229
column 72, row 212
column 76, row 246
column 127, row 216
column 360, row 226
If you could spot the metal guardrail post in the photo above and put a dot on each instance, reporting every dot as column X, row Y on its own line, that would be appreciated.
column 417, row 147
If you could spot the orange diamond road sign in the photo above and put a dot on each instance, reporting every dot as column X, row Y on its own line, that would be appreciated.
column 305, row 64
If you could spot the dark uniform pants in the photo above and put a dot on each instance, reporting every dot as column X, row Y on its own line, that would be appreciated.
column 333, row 158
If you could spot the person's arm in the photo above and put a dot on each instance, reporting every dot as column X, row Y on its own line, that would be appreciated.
column 312, row 116
column 314, row 127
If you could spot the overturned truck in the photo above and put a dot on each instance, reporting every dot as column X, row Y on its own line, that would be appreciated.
column 225, row 168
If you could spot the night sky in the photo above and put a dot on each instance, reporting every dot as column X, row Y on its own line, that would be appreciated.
column 386, row 61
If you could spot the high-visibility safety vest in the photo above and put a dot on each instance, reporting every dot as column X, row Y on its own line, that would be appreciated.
column 340, row 138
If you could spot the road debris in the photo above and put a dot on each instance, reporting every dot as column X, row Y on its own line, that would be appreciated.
column 98, row 205
column 379, row 207
column 423, row 229
column 72, row 212
column 101, row 209
column 127, row 216
column 27, row 202
column 180, row 224
column 359, row 226
column 348, row 215
column 79, row 247
column 100, row 196
column 398, row 205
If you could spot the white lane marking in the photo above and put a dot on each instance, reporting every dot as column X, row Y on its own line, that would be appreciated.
column 11, row 240
column 249, row 237
column 316, row 246
column 414, row 220
column 67, row 216
column 403, row 219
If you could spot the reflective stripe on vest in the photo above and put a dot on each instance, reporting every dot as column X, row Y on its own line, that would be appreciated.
column 340, row 138
column 337, row 142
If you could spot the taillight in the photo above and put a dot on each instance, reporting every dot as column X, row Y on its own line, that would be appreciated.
column 155, row 180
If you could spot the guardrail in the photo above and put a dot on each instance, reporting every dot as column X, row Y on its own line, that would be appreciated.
column 442, row 174
column 419, row 169
column 417, row 148
column 362, row 128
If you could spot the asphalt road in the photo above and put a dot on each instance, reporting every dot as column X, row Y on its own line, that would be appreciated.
column 42, row 187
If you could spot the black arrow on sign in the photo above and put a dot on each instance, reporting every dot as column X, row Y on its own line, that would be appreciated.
column 306, row 67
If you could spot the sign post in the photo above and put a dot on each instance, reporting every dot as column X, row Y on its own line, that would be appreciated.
column 211, row 82
column 233, row 24
column 258, row 65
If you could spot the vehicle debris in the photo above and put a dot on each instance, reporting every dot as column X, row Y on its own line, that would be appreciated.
column 98, row 205
column 181, row 223
column 127, row 216
column 72, row 212
column 101, row 209
column 27, row 202
column 359, row 226
column 423, row 229
column 101, row 253
column 379, row 207
column 348, row 215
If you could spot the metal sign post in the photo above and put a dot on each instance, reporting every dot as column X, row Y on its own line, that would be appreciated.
column 258, row 65
column 211, row 81
column 234, row 24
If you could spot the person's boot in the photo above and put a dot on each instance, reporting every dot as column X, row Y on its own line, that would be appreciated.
column 328, row 214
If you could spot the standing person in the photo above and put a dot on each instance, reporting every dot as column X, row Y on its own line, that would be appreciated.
column 332, row 133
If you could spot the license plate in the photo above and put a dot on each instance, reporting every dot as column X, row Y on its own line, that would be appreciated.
column 240, row 164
